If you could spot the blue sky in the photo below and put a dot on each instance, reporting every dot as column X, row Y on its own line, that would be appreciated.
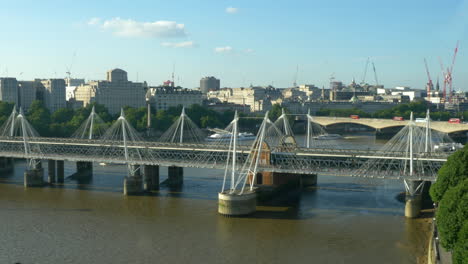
column 241, row 42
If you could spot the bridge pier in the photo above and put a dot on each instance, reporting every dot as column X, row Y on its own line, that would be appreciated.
column 34, row 177
column 413, row 200
column 308, row 180
column 151, row 178
column 6, row 164
column 51, row 172
column 175, row 176
column 84, row 170
column 60, row 171
column 133, row 183
column 236, row 204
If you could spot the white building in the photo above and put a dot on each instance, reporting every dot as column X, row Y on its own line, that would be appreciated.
column 256, row 97
column 114, row 93
column 164, row 97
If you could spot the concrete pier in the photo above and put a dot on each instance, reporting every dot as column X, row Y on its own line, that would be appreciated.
column 413, row 202
column 51, row 172
column 308, row 180
column 34, row 177
column 151, row 178
column 6, row 164
column 133, row 183
column 84, row 169
column 175, row 176
column 236, row 204
column 60, row 171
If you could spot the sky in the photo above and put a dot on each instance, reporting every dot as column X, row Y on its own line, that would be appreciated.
column 241, row 42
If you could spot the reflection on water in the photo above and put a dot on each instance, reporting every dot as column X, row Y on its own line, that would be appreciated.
column 342, row 220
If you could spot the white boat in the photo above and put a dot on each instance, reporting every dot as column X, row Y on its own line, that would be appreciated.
column 446, row 147
column 227, row 136
column 328, row 137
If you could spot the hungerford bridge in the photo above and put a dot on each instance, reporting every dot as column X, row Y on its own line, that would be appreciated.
column 272, row 157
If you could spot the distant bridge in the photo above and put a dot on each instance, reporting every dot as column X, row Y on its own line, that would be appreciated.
column 377, row 123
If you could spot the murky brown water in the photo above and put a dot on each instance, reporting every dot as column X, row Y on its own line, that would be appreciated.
column 343, row 220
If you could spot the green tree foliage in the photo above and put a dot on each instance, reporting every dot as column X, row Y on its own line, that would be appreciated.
column 5, row 111
column 39, row 117
column 452, row 214
column 460, row 251
column 275, row 112
column 342, row 112
column 454, row 171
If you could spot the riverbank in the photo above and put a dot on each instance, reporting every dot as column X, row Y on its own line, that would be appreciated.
column 426, row 229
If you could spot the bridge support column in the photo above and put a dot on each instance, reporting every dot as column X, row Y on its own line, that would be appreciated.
column 175, row 176
column 60, row 171
column 413, row 199
column 151, row 178
column 6, row 164
column 34, row 177
column 84, row 168
column 237, row 204
column 51, row 171
column 133, row 183
column 308, row 180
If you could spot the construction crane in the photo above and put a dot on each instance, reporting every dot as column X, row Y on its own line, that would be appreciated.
column 444, row 89
column 69, row 68
column 375, row 75
column 430, row 86
column 450, row 71
column 295, row 76
column 365, row 71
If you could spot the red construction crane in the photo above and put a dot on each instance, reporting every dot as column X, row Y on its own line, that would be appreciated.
column 444, row 91
column 450, row 71
column 429, row 84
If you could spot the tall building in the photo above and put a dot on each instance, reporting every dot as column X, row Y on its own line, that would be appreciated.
column 71, row 84
column 9, row 90
column 114, row 93
column 209, row 84
column 163, row 97
column 27, row 93
column 53, row 94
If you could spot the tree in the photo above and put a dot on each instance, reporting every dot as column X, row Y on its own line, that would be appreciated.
column 62, row 115
column 454, row 171
column 460, row 251
column 39, row 117
column 452, row 214
column 275, row 112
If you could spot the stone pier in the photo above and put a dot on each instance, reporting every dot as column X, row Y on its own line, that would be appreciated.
column 413, row 201
column 52, row 175
column 34, row 177
column 308, row 180
column 6, row 164
column 237, row 204
column 151, row 178
column 133, row 183
column 84, row 170
column 175, row 176
column 60, row 171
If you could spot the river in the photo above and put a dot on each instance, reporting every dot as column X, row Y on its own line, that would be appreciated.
column 342, row 220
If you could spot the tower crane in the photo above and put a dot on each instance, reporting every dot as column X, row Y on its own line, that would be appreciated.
column 365, row 71
column 430, row 86
column 375, row 75
column 444, row 89
column 450, row 71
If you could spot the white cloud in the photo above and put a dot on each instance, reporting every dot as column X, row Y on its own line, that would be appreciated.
column 184, row 44
column 248, row 50
column 131, row 28
column 232, row 10
column 94, row 21
column 225, row 49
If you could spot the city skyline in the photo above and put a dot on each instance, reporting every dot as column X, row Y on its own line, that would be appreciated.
column 239, row 42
